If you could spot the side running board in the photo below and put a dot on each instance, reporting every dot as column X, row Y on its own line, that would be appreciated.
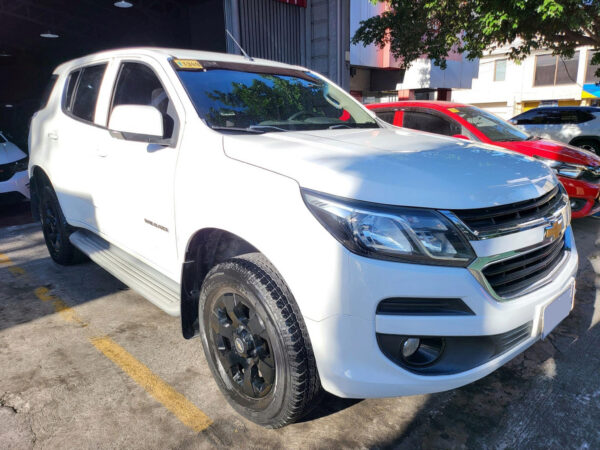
column 156, row 287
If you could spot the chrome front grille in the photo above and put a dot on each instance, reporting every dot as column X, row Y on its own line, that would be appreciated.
column 513, row 276
column 504, row 219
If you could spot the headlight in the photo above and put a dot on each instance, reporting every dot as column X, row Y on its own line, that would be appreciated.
column 563, row 169
column 411, row 235
column 21, row 165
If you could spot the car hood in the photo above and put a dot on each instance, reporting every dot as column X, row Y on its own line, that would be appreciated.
column 396, row 166
column 9, row 153
column 553, row 150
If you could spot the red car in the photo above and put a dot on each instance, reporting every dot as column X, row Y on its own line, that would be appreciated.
column 577, row 169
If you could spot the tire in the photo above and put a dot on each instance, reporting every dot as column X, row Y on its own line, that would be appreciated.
column 56, row 230
column 589, row 144
column 256, row 342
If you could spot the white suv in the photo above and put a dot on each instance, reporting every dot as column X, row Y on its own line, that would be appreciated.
column 574, row 125
column 14, row 180
column 308, row 244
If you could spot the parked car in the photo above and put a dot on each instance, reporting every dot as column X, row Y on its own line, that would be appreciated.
column 305, row 242
column 574, row 125
column 14, row 180
column 577, row 169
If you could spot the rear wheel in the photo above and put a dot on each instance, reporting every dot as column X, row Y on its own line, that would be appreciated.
column 256, row 342
column 56, row 230
column 589, row 144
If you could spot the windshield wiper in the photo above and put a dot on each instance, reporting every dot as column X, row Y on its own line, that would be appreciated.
column 245, row 130
column 266, row 127
column 533, row 138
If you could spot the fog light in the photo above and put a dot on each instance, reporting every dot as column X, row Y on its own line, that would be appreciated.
column 410, row 346
column 421, row 351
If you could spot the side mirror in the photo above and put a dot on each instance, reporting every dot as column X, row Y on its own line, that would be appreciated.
column 137, row 123
column 461, row 136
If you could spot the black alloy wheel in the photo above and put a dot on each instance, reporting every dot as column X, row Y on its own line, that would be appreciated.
column 50, row 224
column 256, row 343
column 56, row 230
column 243, row 346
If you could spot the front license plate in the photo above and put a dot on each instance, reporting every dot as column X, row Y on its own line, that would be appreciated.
column 555, row 312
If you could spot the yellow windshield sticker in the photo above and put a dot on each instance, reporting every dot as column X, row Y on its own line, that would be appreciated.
column 454, row 110
column 188, row 64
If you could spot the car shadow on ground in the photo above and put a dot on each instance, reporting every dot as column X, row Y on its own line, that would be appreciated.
column 547, row 397
column 15, row 214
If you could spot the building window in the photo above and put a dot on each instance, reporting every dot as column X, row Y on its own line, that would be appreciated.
column 553, row 70
column 500, row 70
column 590, row 74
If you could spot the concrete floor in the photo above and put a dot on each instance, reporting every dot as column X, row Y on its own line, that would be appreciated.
column 58, row 391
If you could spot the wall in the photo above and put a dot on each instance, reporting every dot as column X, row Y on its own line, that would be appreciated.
column 330, row 39
column 424, row 74
column 517, row 92
column 317, row 36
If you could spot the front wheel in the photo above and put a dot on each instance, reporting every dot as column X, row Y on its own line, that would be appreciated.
column 256, row 342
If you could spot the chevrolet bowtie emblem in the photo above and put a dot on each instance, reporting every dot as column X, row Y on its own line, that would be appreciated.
column 553, row 231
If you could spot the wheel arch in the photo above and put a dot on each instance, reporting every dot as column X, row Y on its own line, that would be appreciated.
column 38, row 179
column 577, row 139
column 206, row 248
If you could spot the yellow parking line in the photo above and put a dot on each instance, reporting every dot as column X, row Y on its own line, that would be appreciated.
column 185, row 410
column 65, row 311
column 4, row 259
column 175, row 402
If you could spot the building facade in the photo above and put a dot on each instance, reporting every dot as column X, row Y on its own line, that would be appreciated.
column 311, row 33
column 508, row 88
column 376, row 75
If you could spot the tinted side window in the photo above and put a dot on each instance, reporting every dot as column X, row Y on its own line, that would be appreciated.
column 427, row 122
column 583, row 116
column 84, row 104
column 138, row 85
column 548, row 117
column 70, row 89
column 47, row 91
column 523, row 118
column 386, row 115
column 569, row 116
column 539, row 117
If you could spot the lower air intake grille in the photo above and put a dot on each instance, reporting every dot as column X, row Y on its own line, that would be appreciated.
column 511, row 276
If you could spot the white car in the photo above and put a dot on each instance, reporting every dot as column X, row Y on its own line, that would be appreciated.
column 574, row 125
column 306, row 243
column 14, row 179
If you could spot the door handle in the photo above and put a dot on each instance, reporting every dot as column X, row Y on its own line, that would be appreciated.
column 53, row 135
column 101, row 153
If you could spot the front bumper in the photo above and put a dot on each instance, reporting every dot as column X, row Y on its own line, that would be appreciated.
column 584, row 196
column 349, row 359
column 18, row 183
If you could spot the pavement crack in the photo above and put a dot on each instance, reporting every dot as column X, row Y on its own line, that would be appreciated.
column 4, row 403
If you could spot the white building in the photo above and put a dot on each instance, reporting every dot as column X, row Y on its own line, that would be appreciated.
column 508, row 88
column 375, row 75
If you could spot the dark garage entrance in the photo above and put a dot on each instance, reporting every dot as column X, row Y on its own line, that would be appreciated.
column 27, row 58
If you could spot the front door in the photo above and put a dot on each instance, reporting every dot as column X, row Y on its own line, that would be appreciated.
column 137, row 208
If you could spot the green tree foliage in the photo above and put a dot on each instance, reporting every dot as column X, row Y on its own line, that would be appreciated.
column 435, row 28
column 272, row 97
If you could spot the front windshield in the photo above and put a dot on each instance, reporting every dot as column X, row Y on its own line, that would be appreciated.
column 270, row 99
column 491, row 126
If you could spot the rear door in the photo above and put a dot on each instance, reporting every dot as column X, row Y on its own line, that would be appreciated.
column 71, row 138
column 137, row 179
column 430, row 121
